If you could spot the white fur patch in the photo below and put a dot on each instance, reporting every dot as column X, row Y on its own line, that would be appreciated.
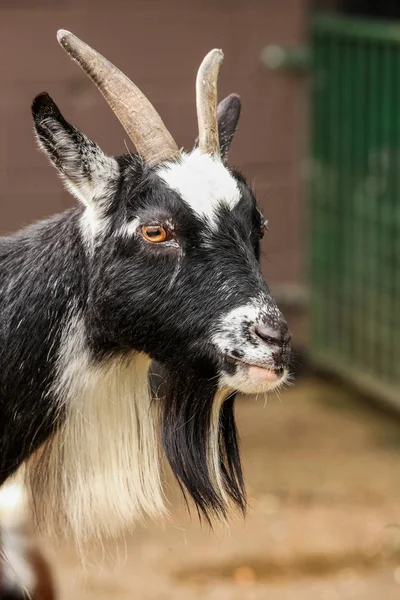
column 214, row 455
column 94, row 188
column 95, row 192
column 203, row 182
column 17, row 573
column 92, row 224
column 12, row 503
column 101, row 472
column 233, row 333
column 128, row 229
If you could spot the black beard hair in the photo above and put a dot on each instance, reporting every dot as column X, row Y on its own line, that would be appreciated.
column 186, row 412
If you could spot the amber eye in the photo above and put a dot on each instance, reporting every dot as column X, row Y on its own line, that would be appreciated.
column 262, row 231
column 154, row 233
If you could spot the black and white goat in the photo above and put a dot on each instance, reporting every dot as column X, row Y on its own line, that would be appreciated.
column 159, row 262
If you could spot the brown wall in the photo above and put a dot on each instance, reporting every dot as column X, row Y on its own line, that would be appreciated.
column 159, row 44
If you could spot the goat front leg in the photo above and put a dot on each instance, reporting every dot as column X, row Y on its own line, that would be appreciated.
column 24, row 571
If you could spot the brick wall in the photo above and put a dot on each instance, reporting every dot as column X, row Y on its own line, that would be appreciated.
column 160, row 45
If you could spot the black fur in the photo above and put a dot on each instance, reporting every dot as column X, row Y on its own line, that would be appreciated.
column 187, row 405
column 42, row 269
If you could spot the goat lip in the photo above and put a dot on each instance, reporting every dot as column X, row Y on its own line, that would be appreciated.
column 257, row 370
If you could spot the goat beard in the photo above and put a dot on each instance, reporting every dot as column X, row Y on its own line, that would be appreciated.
column 200, row 440
column 100, row 471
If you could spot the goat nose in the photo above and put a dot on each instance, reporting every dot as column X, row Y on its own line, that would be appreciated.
column 278, row 336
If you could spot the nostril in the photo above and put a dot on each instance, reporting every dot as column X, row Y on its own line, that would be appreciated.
column 279, row 337
column 268, row 334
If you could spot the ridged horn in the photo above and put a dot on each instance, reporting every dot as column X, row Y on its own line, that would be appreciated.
column 136, row 114
column 206, row 100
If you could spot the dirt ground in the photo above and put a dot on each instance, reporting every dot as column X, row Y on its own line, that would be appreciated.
column 323, row 472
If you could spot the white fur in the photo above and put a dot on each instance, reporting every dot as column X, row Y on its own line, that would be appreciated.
column 17, row 572
column 203, row 182
column 92, row 224
column 95, row 192
column 128, row 229
column 101, row 472
column 12, row 503
column 214, row 458
column 96, row 189
column 229, row 337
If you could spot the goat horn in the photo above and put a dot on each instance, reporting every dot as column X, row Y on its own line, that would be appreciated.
column 206, row 100
column 136, row 114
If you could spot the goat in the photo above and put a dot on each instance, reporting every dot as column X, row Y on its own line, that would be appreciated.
column 158, row 262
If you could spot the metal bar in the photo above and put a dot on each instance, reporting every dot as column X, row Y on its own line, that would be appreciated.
column 361, row 29
column 355, row 201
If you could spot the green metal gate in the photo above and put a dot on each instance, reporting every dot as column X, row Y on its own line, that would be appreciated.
column 355, row 202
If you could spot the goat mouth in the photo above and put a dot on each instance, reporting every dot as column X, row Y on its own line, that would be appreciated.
column 258, row 370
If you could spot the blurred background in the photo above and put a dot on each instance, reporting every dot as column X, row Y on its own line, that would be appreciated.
column 319, row 139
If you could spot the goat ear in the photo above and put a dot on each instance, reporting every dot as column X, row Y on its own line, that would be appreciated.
column 228, row 113
column 87, row 172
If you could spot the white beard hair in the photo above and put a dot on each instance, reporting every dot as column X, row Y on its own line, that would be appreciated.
column 214, row 456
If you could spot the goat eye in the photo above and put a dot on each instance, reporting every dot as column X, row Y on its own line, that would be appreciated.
column 154, row 233
column 262, row 231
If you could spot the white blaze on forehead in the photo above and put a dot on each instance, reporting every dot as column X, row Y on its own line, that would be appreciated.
column 203, row 182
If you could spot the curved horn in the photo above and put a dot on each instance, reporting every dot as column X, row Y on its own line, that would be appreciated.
column 136, row 114
column 206, row 100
